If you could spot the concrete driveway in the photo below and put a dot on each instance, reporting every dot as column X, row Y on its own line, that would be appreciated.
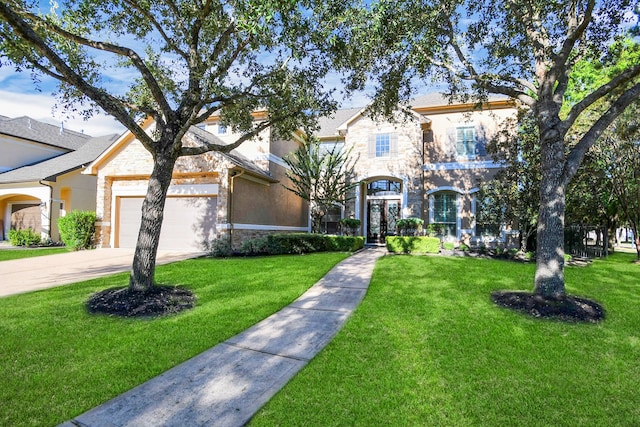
column 30, row 274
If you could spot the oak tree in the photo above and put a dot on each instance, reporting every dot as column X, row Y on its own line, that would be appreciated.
column 524, row 49
column 181, row 61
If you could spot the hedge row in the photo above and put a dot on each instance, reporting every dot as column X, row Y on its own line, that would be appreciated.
column 412, row 244
column 299, row 243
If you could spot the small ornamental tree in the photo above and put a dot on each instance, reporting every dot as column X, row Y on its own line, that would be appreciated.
column 322, row 177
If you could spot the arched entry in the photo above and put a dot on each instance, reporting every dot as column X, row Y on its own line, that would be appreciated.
column 383, row 207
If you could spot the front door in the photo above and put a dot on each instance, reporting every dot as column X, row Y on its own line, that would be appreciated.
column 381, row 219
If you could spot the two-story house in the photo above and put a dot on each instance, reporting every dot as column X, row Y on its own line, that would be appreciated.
column 428, row 164
column 40, row 174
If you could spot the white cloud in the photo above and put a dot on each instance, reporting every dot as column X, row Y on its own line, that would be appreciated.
column 39, row 106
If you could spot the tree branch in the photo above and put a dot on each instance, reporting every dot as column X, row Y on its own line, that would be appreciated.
column 151, row 18
column 591, row 136
column 602, row 91
column 137, row 61
column 109, row 103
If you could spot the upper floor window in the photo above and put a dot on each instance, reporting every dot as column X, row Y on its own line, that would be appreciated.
column 465, row 141
column 222, row 129
column 327, row 148
column 383, row 145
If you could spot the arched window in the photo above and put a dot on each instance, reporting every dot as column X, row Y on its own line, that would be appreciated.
column 444, row 212
column 384, row 187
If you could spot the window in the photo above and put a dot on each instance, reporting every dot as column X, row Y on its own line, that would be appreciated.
column 222, row 129
column 383, row 146
column 485, row 226
column 384, row 187
column 327, row 148
column 445, row 212
column 465, row 141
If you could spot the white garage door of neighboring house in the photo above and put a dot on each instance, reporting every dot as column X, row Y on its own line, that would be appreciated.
column 188, row 221
column 26, row 215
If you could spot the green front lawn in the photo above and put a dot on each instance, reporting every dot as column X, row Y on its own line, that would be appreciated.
column 9, row 254
column 57, row 361
column 427, row 347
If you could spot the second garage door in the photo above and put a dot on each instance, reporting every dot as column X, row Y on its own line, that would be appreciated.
column 188, row 222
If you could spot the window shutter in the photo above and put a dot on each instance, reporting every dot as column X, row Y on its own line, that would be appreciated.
column 452, row 141
column 393, row 145
column 372, row 146
column 481, row 141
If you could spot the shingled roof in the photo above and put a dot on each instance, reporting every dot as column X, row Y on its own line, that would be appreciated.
column 49, row 170
column 43, row 133
column 328, row 126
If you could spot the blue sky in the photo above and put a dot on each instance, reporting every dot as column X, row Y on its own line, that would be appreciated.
column 19, row 97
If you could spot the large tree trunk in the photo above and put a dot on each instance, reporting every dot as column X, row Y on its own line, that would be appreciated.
column 549, row 278
column 144, row 259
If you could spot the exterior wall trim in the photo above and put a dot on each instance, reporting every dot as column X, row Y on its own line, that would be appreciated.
column 261, row 227
column 487, row 164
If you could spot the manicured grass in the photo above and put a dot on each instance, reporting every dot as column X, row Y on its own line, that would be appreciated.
column 8, row 254
column 57, row 361
column 427, row 347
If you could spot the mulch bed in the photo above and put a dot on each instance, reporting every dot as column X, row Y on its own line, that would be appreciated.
column 158, row 301
column 568, row 308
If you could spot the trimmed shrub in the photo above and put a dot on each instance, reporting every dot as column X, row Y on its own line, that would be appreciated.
column 77, row 229
column 413, row 244
column 448, row 246
column 218, row 248
column 350, row 225
column 345, row 243
column 409, row 226
column 255, row 247
column 300, row 243
column 24, row 237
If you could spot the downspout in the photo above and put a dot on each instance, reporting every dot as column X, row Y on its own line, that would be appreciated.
column 50, row 203
column 234, row 174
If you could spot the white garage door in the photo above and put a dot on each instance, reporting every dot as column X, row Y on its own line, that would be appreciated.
column 188, row 221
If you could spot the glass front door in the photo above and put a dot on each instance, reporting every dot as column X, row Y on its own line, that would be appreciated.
column 382, row 217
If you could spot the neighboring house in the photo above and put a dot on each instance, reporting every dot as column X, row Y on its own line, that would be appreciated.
column 40, row 174
column 427, row 165
column 213, row 197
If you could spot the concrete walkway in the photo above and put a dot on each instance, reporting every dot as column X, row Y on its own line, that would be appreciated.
column 32, row 274
column 228, row 384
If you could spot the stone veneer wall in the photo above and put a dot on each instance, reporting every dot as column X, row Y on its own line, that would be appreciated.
column 131, row 166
